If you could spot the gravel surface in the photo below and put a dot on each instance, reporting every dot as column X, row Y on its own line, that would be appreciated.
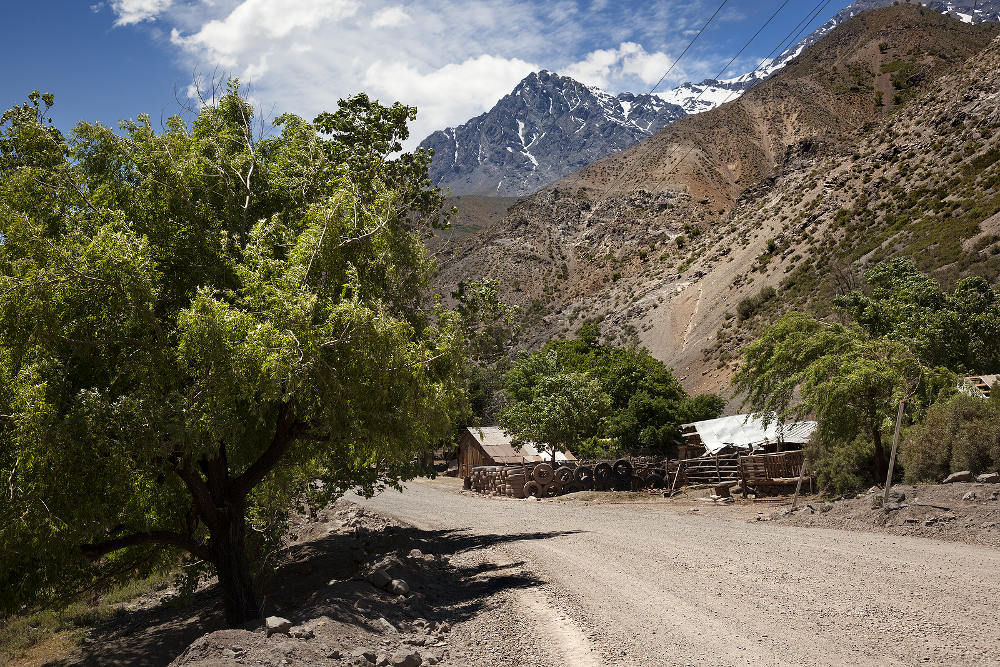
column 667, row 583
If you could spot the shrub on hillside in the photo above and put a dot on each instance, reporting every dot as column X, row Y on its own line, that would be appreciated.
column 749, row 306
column 842, row 466
column 960, row 433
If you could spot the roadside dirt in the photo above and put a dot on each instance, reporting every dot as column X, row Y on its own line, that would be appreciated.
column 962, row 512
column 603, row 579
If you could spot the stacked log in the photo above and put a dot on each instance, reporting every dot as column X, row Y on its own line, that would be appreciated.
column 499, row 480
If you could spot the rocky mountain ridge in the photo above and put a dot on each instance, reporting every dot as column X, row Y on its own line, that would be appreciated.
column 551, row 125
column 662, row 241
column 548, row 126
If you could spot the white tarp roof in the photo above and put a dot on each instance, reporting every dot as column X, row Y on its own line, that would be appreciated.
column 746, row 431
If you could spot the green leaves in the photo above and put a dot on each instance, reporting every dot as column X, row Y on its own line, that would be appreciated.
column 208, row 317
column 639, row 402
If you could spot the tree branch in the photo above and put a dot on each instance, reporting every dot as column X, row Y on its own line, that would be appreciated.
column 285, row 434
column 165, row 537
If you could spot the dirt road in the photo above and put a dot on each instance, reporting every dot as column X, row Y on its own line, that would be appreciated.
column 659, row 584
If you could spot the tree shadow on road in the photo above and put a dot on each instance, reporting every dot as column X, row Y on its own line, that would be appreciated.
column 324, row 577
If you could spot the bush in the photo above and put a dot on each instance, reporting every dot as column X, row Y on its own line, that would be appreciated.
column 842, row 466
column 960, row 433
column 747, row 307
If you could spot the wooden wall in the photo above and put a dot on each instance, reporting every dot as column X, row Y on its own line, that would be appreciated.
column 470, row 455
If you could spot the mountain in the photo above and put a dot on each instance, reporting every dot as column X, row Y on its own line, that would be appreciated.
column 880, row 139
column 547, row 127
column 710, row 93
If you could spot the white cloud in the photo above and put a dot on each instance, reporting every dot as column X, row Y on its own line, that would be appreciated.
column 129, row 12
column 453, row 59
column 390, row 17
column 628, row 66
column 455, row 91
column 260, row 24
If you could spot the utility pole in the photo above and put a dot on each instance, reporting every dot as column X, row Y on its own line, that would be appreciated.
column 892, row 457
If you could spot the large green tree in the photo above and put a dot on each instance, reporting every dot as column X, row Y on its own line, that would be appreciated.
column 554, row 408
column 957, row 329
column 848, row 380
column 195, row 322
column 645, row 402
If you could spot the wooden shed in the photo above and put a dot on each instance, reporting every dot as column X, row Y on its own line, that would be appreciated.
column 492, row 446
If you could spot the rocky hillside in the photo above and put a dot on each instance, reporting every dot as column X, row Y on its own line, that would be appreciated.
column 551, row 125
column 547, row 127
column 874, row 141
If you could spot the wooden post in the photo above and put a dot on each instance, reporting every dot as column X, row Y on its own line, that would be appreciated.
column 798, row 485
column 680, row 465
column 718, row 475
column 892, row 457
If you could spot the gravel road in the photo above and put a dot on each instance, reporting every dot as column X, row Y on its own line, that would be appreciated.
column 667, row 584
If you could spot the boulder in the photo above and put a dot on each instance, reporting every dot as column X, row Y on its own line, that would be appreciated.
column 989, row 478
column 399, row 587
column 406, row 659
column 277, row 625
column 364, row 652
column 970, row 496
column 379, row 578
column 963, row 476
column 416, row 553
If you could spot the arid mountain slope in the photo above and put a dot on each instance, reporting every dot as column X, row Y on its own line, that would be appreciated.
column 662, row 241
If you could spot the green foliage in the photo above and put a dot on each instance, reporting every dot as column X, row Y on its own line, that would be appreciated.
column 959, row 329
column 749, row 306
column 848, row 380
column 959, row 433
column 552, row 407
column 646, row 403
column 197, row 322
column 842, row 466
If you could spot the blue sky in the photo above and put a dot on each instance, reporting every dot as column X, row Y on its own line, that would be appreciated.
column 107, row 60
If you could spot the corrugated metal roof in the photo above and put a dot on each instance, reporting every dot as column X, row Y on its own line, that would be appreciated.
column 497, row 444
column 746, row 431
column 979, row 386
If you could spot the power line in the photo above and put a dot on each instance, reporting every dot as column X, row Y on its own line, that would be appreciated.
column 820, row 6
column 622, row 174
column 686, row 48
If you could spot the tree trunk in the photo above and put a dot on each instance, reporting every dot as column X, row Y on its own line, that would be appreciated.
column 235, row 579
column 881, row 462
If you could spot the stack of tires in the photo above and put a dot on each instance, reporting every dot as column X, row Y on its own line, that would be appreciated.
column 620, row 475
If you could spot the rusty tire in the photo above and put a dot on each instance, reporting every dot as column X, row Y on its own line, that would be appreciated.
column 543, row 474
column 623, row 469
column 564, row 474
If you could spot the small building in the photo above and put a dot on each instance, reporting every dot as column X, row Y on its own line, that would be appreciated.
column 492, row 446
column 980, row 386
column 743, row 433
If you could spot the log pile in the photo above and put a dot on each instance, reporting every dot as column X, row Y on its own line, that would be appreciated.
column 499, row 480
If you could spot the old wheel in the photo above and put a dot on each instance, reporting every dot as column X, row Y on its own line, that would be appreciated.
column 531, row 489
column 623, row 468
column 564, row 474
column 584, row 475
column 655, row 481
column 543, row 473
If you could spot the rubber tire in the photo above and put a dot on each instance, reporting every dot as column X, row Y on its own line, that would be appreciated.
column 532, row 490
column 603, row 474
column 623, row 468
column 543, row 473
column 655, row 481
column 584, row 475
column 564, row 474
